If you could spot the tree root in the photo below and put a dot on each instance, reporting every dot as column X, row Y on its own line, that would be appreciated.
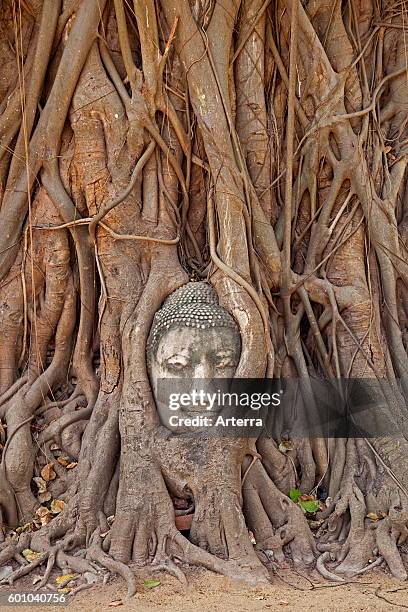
column 25, row 569
column 325, row 572
column 189, row 553
column 95, row 553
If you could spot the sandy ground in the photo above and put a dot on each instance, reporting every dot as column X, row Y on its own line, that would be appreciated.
column 206, row 591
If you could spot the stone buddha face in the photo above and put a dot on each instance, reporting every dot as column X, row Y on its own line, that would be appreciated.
column 192, row 337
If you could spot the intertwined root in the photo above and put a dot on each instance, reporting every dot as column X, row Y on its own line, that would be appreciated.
column 143, row 532
column 352, row 538
column 363, row 530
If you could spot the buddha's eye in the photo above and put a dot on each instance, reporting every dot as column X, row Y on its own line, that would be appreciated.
column 223, row 361
column 177, row 363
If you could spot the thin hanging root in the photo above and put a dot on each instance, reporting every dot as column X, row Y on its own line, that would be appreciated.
column 115, row 235
column 95, row 553
column 122, row 196
column 325, row 572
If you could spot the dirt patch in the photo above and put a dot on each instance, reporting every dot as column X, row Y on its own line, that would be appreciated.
column 288, row 591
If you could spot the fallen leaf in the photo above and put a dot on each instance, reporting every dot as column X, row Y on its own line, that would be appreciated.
column 54, row 447
column 72, row 465
column 36, row 579
column 115, row 604
column 285, row 446
column 387, row 149
column 316, row 524
column 64, row 579
column 25, row 528
column 151, row 583
column 44, row 497
column 57, row 506
column 64, row 590
column 48, row 472
column 44, row 515
column 41, row 484
column 373, row 516
column 30, row 555
column 63, row 461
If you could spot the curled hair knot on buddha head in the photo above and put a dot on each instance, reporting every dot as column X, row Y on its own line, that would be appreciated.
column 193, row 305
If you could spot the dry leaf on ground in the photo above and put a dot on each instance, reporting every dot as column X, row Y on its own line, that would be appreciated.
column 48, row 472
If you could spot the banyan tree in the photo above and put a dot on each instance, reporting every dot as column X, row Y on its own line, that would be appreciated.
column 236, row 169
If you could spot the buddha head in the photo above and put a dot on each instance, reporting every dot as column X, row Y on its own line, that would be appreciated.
column 192, row 337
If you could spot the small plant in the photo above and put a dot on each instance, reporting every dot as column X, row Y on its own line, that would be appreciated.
column 308, row 503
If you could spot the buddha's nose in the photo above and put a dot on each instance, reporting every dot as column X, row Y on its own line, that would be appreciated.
column 203, row 370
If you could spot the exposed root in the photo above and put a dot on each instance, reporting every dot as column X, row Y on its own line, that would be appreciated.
column 25, row 569
column 388, row 549
column 48, row 570
column 370, row 566
column 326, row 556
column 95, row 553
column 189, row 553
column 171, row 568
